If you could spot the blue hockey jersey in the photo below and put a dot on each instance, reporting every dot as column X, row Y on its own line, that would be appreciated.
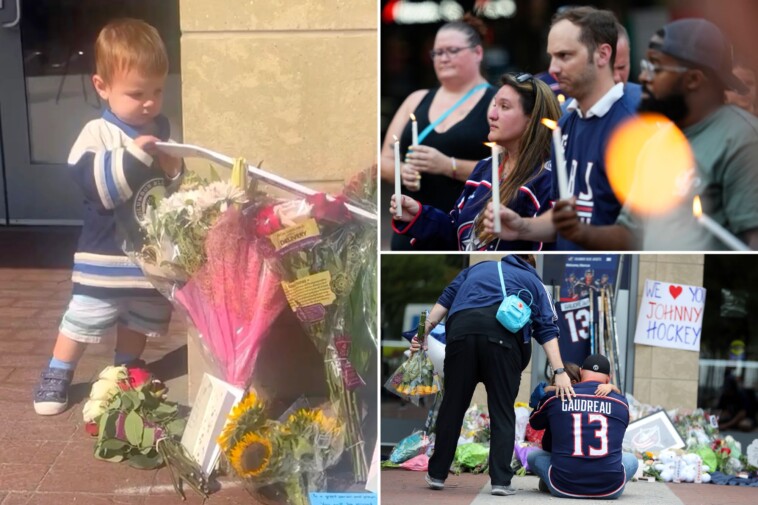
column 436, row 229
column 585, row 140
column 119, row 182
column 587, row 434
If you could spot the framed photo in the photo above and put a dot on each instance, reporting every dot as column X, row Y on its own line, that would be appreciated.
column 653, row 433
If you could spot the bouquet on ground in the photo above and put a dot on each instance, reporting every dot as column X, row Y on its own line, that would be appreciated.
column 128, row 413
column 282, row 459
column 200, row 251
column 326, row 259
column 416, row 377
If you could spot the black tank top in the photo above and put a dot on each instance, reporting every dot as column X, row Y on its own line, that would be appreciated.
column 463, row 141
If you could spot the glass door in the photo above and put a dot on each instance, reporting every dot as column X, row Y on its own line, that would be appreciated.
column 46, row 98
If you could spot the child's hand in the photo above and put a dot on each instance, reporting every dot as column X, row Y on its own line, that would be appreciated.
column 147, row 143
column 603, row 389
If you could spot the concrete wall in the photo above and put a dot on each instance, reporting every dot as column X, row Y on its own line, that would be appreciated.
column 293, row 84
column 667, row 377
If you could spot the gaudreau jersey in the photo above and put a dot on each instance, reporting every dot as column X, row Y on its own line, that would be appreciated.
column 587, row 433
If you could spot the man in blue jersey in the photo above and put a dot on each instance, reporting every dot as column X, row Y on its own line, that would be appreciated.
column 582, row 46
column 688, row 67
column 584, row 459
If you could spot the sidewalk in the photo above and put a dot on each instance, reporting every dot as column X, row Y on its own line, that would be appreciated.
column 400, row 487
column 50, row 460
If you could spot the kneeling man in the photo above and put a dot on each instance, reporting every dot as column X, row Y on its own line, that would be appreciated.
column 584, row 459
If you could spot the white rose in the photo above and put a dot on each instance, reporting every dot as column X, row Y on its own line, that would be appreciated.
column 103, row 390
column 93, row 409
column 114, row 373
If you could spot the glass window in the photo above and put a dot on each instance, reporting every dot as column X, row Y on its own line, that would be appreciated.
column 57, row 39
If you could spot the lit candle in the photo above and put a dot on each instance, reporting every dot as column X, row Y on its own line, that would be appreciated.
column 414, row 130
column 398, row 193
column 495, row 184
column 719, row 231
column 561, row 99
column 560, row 158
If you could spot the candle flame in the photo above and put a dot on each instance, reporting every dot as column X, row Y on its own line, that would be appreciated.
column 549, row 123
column 561, row 98
column 395, row 137
column 413, row 118
column 697, row 208
column 490, row 144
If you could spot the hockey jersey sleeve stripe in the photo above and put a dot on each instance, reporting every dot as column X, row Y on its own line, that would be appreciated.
column 108, row 270
column 101, row 167
column 122, row 185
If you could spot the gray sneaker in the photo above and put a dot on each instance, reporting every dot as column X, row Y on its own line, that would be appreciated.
column 435, row 484
column 51, row 395
column 503, row 490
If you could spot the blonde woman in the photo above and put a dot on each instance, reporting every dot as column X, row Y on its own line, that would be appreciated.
column 525, row 177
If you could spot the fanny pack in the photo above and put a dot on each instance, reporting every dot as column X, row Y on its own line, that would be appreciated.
column 513, row 312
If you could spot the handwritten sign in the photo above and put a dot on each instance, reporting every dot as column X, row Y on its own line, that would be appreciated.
column 343, row 498
column 671, row 315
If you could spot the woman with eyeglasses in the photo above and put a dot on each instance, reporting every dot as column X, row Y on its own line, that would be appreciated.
column 525, row 177
column 434, row 172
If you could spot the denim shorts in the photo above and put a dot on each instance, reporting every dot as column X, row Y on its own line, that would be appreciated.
column 89, row 319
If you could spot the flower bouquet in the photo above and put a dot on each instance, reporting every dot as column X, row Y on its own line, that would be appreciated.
column 284, row 459
column 128, row 414
column 200, row 253
column 416, row 377
column 326, row 259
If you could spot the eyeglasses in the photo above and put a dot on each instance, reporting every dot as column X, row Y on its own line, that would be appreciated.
column 449, row 51
column 646, row 67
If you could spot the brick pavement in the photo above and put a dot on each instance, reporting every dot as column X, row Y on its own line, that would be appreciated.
column 49, row 460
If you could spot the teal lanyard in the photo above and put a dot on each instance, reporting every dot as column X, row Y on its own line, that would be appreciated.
column 457, row 104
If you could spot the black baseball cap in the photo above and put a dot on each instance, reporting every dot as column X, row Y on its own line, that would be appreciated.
column 701, row 43
column 597, row 363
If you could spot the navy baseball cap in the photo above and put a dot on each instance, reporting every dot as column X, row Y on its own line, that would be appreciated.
column 701, row 43
column 597, row 363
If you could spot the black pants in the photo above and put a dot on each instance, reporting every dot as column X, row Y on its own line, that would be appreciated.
column 478, row 351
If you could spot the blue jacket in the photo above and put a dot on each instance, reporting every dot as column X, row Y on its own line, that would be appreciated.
column 479, row 286
column 435, row 229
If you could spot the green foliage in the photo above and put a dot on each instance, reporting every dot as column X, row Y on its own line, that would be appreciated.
column 131, row 426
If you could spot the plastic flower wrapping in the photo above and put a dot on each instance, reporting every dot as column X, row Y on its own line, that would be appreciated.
column 198, row 251
column 128, row 414
column 416, row 377
column 284, row 459
column 326, row 259
column 233, row 256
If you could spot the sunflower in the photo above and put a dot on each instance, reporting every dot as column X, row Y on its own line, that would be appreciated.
column 246, row 416
column 304, row 420
column 251, row 456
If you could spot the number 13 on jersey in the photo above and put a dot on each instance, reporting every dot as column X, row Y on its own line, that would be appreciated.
column 590, row 434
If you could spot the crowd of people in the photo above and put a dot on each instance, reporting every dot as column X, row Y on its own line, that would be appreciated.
column 688, row 75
